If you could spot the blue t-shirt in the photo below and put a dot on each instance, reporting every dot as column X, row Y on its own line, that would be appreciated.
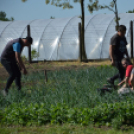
column 17, row 47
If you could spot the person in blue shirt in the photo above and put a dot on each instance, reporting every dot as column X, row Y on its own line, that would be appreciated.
column 12, row 62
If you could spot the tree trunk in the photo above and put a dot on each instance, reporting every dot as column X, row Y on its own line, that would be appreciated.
column 116, row 15
column 84, row 57
column 131, row 38
column 29, row 48
column 80, row 41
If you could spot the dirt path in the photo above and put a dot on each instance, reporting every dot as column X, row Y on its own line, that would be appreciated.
column 51, row 66
column 56, row 66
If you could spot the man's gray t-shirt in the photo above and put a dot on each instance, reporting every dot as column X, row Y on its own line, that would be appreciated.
column 120, row 46
column 9, row 51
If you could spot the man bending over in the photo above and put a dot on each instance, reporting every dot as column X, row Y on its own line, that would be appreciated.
column 12, row 61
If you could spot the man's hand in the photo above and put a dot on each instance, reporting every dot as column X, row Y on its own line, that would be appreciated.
column 111, row 49
column 119, row 84
column 122, row 82
column 24, row 71
column 113, row 63
column 20, row 63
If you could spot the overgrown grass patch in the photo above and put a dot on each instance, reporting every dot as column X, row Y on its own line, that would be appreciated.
column 63, row 129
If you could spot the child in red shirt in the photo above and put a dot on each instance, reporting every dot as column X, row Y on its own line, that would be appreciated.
column 128, row 78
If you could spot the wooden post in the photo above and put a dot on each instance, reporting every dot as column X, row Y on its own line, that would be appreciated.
column 46, row 78
column 29, row 48
column 80, row 42
column 131, row 38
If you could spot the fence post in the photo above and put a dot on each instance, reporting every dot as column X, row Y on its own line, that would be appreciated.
column 46, row 78
column 131, row 38
column 80, row 42
column 29, row 48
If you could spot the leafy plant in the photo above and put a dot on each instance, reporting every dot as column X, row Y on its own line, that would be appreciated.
column 24, row 58
column 116, row 115
column 34, row 54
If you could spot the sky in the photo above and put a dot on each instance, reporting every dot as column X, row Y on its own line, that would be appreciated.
column 37, row 9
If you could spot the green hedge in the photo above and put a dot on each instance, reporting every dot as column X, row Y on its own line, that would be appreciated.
column 115, row 115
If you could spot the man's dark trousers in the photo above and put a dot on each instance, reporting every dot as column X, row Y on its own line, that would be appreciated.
column 14, row 72
column 121, row 70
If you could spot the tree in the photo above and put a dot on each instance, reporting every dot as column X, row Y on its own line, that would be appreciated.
column 113, row 7
column 23, row 0
column 93, row 5
column 52, row 17
column 12, row 19
column 130, row 11
column 3, row 17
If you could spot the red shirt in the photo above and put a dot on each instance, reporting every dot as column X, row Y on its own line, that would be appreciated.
column 128, row 72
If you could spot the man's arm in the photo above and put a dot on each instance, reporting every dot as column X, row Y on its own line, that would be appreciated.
column 126, row 52
column 19, row 60
column 111, row 49
column 121, row 82
column 124, row 81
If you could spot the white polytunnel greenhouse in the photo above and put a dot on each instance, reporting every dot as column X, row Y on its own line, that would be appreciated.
column 57, row 39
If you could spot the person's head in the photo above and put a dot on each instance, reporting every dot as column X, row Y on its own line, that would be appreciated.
column 27, row 41
column 122, row 30
column 125, row 62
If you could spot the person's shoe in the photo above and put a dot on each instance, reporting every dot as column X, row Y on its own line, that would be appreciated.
column 110, row 81
column 4, row 93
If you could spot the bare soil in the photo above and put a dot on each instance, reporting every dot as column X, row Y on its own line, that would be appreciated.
column 56, row 66
column 52, row 66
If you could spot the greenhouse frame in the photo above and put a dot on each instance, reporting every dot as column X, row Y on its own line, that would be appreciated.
column 57, row 39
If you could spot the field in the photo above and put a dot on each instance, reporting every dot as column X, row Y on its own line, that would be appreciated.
column 76, row 88
column 69, row 96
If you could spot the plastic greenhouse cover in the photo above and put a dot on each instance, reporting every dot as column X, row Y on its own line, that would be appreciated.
column 57, row 39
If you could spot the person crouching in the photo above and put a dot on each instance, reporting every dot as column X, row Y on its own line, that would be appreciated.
column 128, row 83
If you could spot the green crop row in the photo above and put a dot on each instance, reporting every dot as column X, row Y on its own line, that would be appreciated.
column 115, row 114
column 76, row 88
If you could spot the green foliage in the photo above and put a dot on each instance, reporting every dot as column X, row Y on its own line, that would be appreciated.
column 111, row 7
column 23, row 0
column 34, row 54
column 3, row 17
column 60, row 3
column 52, row 17
column 12, row 19
column 24, row 59
column 115, row 115
column 93, row 4
column 2, row 14
column 130, row 11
